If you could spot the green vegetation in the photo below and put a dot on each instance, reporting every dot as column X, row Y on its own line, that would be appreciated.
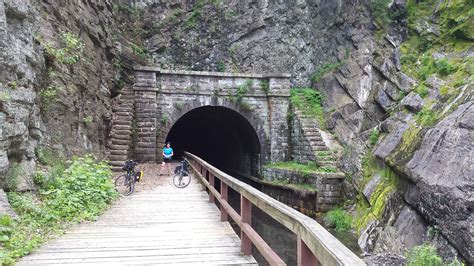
column 302, row 168
column 426, row 54
column 328, row 68
column 309, row 101
column 423, row 255
column 241, row 91
column 265, row 85
column 4, row 97
column 374, row 136
column 374, row 209
column 141, row 51
column 48, row 95
column 456, row 262
column 47, row 156
column 325, row 69
column 178, row 105
column 71, row 51
column 427, row 116
column 220, row 66
column 380, row 12
column 12, row 177
column 87, row 120
column 13, row 84
column 131, row 10
column 81, row 192
column 192, row 20
column 422, row 90
column 339, row 219
column 6, row 229
column 164, row 120
column 432, row 231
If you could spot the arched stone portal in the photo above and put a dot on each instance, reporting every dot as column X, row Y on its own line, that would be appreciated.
column 162, row 97
column 220, row 135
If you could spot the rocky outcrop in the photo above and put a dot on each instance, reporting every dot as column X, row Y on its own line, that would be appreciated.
column 49, row 101
column 442, row 170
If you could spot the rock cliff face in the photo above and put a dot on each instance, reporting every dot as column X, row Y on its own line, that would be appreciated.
column 374, row 75
column 51, row 97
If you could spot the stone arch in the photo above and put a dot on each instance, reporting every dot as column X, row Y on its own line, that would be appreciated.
column 255, row 122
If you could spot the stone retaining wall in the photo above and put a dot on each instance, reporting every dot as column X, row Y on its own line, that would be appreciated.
column 328, row 188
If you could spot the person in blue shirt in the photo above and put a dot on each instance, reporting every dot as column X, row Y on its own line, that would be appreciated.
column 167, row 155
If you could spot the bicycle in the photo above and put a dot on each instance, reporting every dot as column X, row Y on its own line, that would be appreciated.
column 181, row 178
column 125, row 184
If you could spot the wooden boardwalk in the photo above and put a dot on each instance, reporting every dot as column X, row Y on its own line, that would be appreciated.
column 165, row 225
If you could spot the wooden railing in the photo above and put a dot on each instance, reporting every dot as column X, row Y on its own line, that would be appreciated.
column 315, row 245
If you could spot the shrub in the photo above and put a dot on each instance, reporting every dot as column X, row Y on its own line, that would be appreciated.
column 427, row 116
column 422, row 90
column 70, row 53
column 423, row 255
column 444, row 67
column 88, row 120
column 81, row 192
column 339, row 219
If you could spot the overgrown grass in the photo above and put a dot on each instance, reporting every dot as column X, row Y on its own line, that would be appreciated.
column 309, row 101
column 302, row 168
column 81, row 192
column 339, row 219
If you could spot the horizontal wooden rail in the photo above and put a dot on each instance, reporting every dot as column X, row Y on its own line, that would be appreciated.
column 315, row 243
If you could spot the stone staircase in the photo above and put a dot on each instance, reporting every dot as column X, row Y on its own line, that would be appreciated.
column 121, row 134
column 310, row 126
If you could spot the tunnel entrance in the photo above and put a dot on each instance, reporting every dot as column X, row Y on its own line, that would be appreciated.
column 219, row 135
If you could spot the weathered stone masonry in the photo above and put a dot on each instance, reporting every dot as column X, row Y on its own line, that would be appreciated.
column 163, row 96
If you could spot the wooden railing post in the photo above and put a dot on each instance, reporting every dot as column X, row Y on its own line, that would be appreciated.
column 211, row 183
column 225, row 197
column 246, row 214
column 304, row 254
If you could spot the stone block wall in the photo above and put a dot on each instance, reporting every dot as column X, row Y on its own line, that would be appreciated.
column 145, row 124
column 163, row 96
column 300, row 147
column 328, row 187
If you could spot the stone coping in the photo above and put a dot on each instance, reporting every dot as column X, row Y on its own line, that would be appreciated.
column 211, row 74
column 289, row 186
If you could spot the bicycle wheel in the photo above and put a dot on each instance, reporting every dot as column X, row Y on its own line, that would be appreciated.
column 181, row 180
column 124, row 185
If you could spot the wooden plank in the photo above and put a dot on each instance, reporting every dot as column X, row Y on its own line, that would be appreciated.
column 164, row 226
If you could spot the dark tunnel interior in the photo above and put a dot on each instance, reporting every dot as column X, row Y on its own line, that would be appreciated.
column 219, row 135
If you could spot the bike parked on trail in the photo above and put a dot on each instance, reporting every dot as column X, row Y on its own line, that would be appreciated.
column 125, row 184
column 181, row 178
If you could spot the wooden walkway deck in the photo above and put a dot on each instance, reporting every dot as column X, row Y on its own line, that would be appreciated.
column 165, row 225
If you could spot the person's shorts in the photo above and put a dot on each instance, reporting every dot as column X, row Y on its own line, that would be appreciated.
column 166, row 160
